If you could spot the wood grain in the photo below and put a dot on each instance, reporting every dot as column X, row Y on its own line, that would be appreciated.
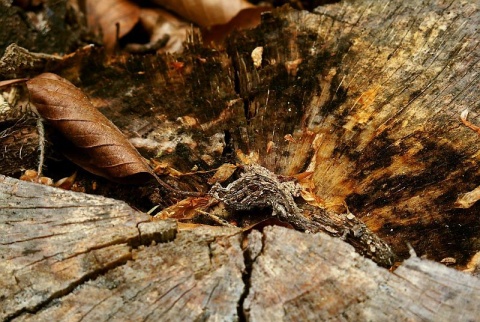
column 330, row 282
column 53, row 240
column 371, row 94
column 74, row 257
column 373, row 105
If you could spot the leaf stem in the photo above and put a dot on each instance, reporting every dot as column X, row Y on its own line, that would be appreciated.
column 176, row 191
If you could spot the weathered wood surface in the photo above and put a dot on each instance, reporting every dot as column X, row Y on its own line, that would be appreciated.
column 53, row 240
column 68, row 256
column 318, row 278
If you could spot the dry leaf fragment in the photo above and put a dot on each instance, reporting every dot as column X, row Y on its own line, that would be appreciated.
column 448, row 261
column 289, row 138
column 158, row 23
column 468, row 199
column 257, row 56
column 292, row 66
column 270, row 146
column 473, row 266
column 67, row 182
column 463, row 118
column 246, row 19
column 94, row 143
column 224, row 172
column 33, row 176
column 105, row 15
column 206, row 13
column 184, row 209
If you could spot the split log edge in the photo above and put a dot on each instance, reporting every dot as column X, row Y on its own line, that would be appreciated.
column 71, row 256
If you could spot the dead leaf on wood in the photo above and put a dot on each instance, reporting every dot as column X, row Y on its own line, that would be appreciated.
column 103, row 16
column 32, row 176
column 463, row 118
column 206, row 13
column 94, row 143
column 159, row 23
column 224, row 172
column 163, row 168
column 245, row 19
column 247, row 159
column 64, row 183
column 67, row 182
column 184, row 209
column 307, row 193
column 468, row 199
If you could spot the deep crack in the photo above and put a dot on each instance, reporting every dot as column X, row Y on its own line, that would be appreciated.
column 250, row 254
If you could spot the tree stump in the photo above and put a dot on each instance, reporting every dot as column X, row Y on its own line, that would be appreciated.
column 366, row 96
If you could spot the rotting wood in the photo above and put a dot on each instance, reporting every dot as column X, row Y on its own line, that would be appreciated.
column 258, row 189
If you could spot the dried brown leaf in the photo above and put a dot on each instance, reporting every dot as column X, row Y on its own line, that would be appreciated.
column 94, row 143
column 206, row 13
column 105, row 15
column 245, row 19
column 67, row 182
column 463, row 118
column 468, row 199
column 184, row 209
column 224, row 172
column 32, row 176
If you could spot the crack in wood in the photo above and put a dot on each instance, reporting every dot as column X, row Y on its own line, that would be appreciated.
column 62, row 244
column 148, row 233
column 254, row 246
column 60, row 293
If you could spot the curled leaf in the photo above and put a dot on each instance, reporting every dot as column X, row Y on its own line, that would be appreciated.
column 93, row 142
column 67, row 182
column 463, row 118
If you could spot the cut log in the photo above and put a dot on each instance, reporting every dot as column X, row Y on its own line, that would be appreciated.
column 53, row 240
column 321, row 278
column 70, row 256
